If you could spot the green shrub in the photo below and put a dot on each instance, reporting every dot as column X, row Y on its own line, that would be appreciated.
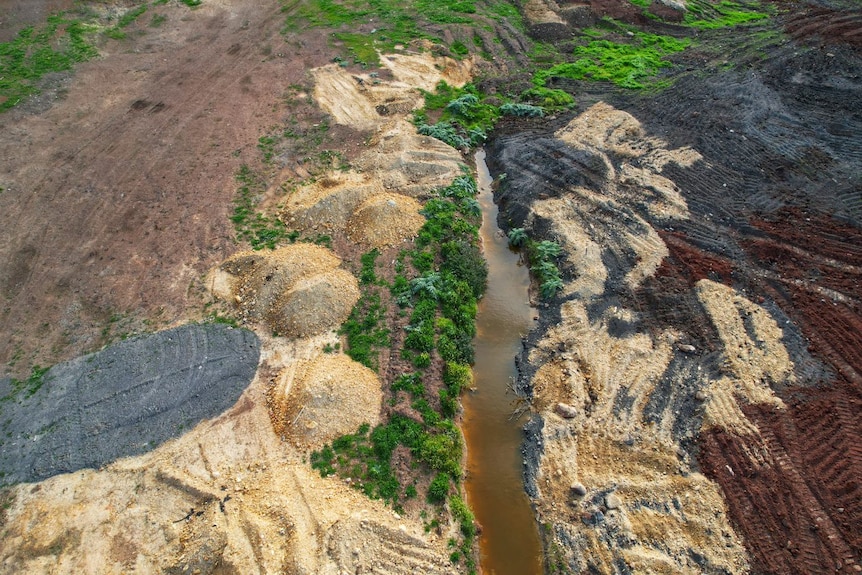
column 446, row 133
column 464, row 261
column 367, row 275
column 448, row 403
column 438, row 490
column 548, row 98
column 442, row 452
column 409, row 382
column 457, row 376
column 463, row 515
column 522, row 110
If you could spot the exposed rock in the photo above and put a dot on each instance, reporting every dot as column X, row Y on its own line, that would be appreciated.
column 566, row 411
column 578, row 489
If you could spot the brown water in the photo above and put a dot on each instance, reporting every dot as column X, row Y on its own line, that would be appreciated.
column 509, row 543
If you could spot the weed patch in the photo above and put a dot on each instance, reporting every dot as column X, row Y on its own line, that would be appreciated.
column 709, row 16
column 55, row 47
column 631, row 65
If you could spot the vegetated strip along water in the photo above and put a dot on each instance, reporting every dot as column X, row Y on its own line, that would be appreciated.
column 509, row 543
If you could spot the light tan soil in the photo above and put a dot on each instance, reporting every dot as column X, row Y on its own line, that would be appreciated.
column 235, row 494
column 645, row 503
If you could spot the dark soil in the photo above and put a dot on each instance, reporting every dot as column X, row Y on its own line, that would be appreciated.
column 122, row 401
column 776, row 211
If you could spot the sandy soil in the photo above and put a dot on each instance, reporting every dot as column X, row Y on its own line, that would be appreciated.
column 235, row 494
column 695, row 386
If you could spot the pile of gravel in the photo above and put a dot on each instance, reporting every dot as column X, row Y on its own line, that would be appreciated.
column 122, row 401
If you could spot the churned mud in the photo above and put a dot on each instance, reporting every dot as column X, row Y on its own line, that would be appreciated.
column 699, row 387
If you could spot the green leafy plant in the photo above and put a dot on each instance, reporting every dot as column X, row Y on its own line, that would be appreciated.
column 522, row 110
column 628, row 65
column 517, row 237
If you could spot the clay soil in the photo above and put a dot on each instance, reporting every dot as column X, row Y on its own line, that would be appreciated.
column 118, row 184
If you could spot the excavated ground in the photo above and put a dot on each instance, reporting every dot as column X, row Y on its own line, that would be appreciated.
column 696, row 385
column 757, row 385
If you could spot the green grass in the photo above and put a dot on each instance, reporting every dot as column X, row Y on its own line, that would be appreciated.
column 62, row 41
column 709, row 16
column 361, row 47
column 397, row 23
column 251, row 225
column 365, row 330
column 368, row 261
column 34, row 52
column 632, row 65
column 27, row 387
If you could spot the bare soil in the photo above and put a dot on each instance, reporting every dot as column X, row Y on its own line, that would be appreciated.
column 116, row 198
column 773, row 213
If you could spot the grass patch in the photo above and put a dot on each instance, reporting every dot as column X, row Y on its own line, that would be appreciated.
column 365, row 331
column 361, row 47
column 632, row 65
column 707, row 16
column 258, row 229
column 34, row 52
column 27, row 387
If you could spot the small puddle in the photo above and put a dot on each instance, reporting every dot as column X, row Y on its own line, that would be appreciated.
column 495, row 487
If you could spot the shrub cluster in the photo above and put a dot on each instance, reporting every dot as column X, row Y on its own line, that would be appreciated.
column 542, row 258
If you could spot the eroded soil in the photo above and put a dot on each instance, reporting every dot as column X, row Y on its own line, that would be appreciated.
column 696, row 384
column 710, row 313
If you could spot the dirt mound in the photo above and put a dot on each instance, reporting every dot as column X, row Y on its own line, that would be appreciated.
column 385, row 220
column 363, row 102
column 325, row 205
column 227, row 497
column 316, row 401
column 407, row 162
column 122, row 401
column 298, row 290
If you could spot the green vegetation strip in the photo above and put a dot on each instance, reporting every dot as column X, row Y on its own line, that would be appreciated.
column 397, row 23
column 628, row 65
column 437, row 285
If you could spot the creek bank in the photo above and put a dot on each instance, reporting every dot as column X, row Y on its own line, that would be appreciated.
column 510, row 542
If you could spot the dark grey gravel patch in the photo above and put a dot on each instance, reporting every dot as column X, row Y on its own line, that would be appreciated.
column 124, row 400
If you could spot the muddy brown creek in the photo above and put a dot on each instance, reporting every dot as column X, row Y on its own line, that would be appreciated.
column 509, row 543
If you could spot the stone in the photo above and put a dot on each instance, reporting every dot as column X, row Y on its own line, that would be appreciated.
column 686, row 348
column 578, row 490
column 700, row 395
column 566, row 411
column 612, row 501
